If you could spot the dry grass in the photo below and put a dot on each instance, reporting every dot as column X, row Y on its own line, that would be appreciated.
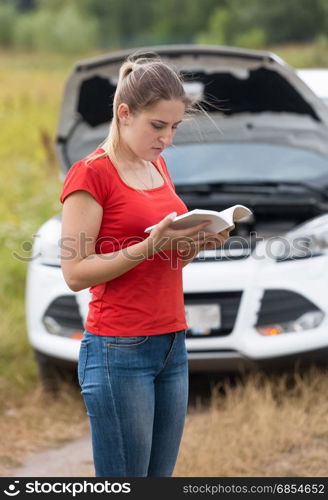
column 262, row 427
column 40, row 421
column 303, row 55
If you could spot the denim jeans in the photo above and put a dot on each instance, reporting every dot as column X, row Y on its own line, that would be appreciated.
column 135, row 390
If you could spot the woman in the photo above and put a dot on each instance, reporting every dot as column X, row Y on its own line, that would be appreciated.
column 133, row 368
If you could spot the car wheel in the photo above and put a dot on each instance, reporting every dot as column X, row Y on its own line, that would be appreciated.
column 53, row 372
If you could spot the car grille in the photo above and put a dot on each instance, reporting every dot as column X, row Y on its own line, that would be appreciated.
column 229, row 304
column 65, row 311
column 279, row 306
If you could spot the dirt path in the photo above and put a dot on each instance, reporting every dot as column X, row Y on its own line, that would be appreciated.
column 74, row 459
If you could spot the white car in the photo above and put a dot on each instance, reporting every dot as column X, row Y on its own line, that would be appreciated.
column 317, row 80
column 262, row 299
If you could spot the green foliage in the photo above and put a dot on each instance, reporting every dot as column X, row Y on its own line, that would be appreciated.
column 253, row 39
column 220, row 29
column 33, row 30
column 73, row 32
column 30, row 98
column 233, row 26
column 80, row 25
column 181, row 21
column 7, row 22
column 23, row 5
column 256, row 23
column 66, row 30
column 292, row 20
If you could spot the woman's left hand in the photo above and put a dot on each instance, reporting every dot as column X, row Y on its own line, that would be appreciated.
column 217, row 240
column 214, row 240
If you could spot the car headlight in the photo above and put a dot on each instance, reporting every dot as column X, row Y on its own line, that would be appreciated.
column 46, row 245
column 50, row 254
column 306, row 321
column 309, row 239
column 46, row 252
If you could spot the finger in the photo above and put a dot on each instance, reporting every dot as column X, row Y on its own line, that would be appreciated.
column 214, row 244
column 191, row 249
column 217, row 240
column 225, row 233
column 167, row 220
column 209, row 234
column 206, row 244
column 197, row 241
column 210, row 244
column 165, row 223
column 190, row 244
column 191, row 231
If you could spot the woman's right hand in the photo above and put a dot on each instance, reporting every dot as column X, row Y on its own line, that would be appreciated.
column 162, row 237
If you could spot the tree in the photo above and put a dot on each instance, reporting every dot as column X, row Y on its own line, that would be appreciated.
column 257, row 22
column 66, row 30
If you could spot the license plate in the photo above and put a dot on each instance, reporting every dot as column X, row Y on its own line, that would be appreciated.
column 201, row 319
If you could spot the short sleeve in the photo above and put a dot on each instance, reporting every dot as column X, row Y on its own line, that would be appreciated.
column 84, row 177
column 163, row 163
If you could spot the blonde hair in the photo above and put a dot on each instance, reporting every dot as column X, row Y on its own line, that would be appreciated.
column 142, row 82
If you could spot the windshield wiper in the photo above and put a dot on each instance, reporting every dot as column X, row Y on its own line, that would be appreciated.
column 261, row 187
column 288, row 187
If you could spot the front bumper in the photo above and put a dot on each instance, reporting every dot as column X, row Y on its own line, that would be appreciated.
column 241, row 349
column 234, row 362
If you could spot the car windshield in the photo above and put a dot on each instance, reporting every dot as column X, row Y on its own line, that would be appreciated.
column 240, row 162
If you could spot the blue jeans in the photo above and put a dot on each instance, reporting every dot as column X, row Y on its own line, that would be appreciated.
column 135, row 390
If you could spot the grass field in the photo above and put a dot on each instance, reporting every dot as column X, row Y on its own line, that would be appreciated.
column 262, row 427
column 30, row 95
column 265, row 426
column 31, row 86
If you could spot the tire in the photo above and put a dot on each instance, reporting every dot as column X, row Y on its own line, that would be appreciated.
column 53, row 371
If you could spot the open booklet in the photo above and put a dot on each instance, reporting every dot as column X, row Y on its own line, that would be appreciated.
column 219, row 220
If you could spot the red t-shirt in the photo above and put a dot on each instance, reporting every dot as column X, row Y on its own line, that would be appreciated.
column 147, row 299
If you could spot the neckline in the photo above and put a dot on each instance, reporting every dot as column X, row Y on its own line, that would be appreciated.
column 130, row 187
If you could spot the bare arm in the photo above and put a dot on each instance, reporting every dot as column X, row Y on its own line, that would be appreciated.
column 81, row 266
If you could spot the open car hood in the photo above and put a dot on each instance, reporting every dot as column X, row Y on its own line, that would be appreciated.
column 254, row 96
